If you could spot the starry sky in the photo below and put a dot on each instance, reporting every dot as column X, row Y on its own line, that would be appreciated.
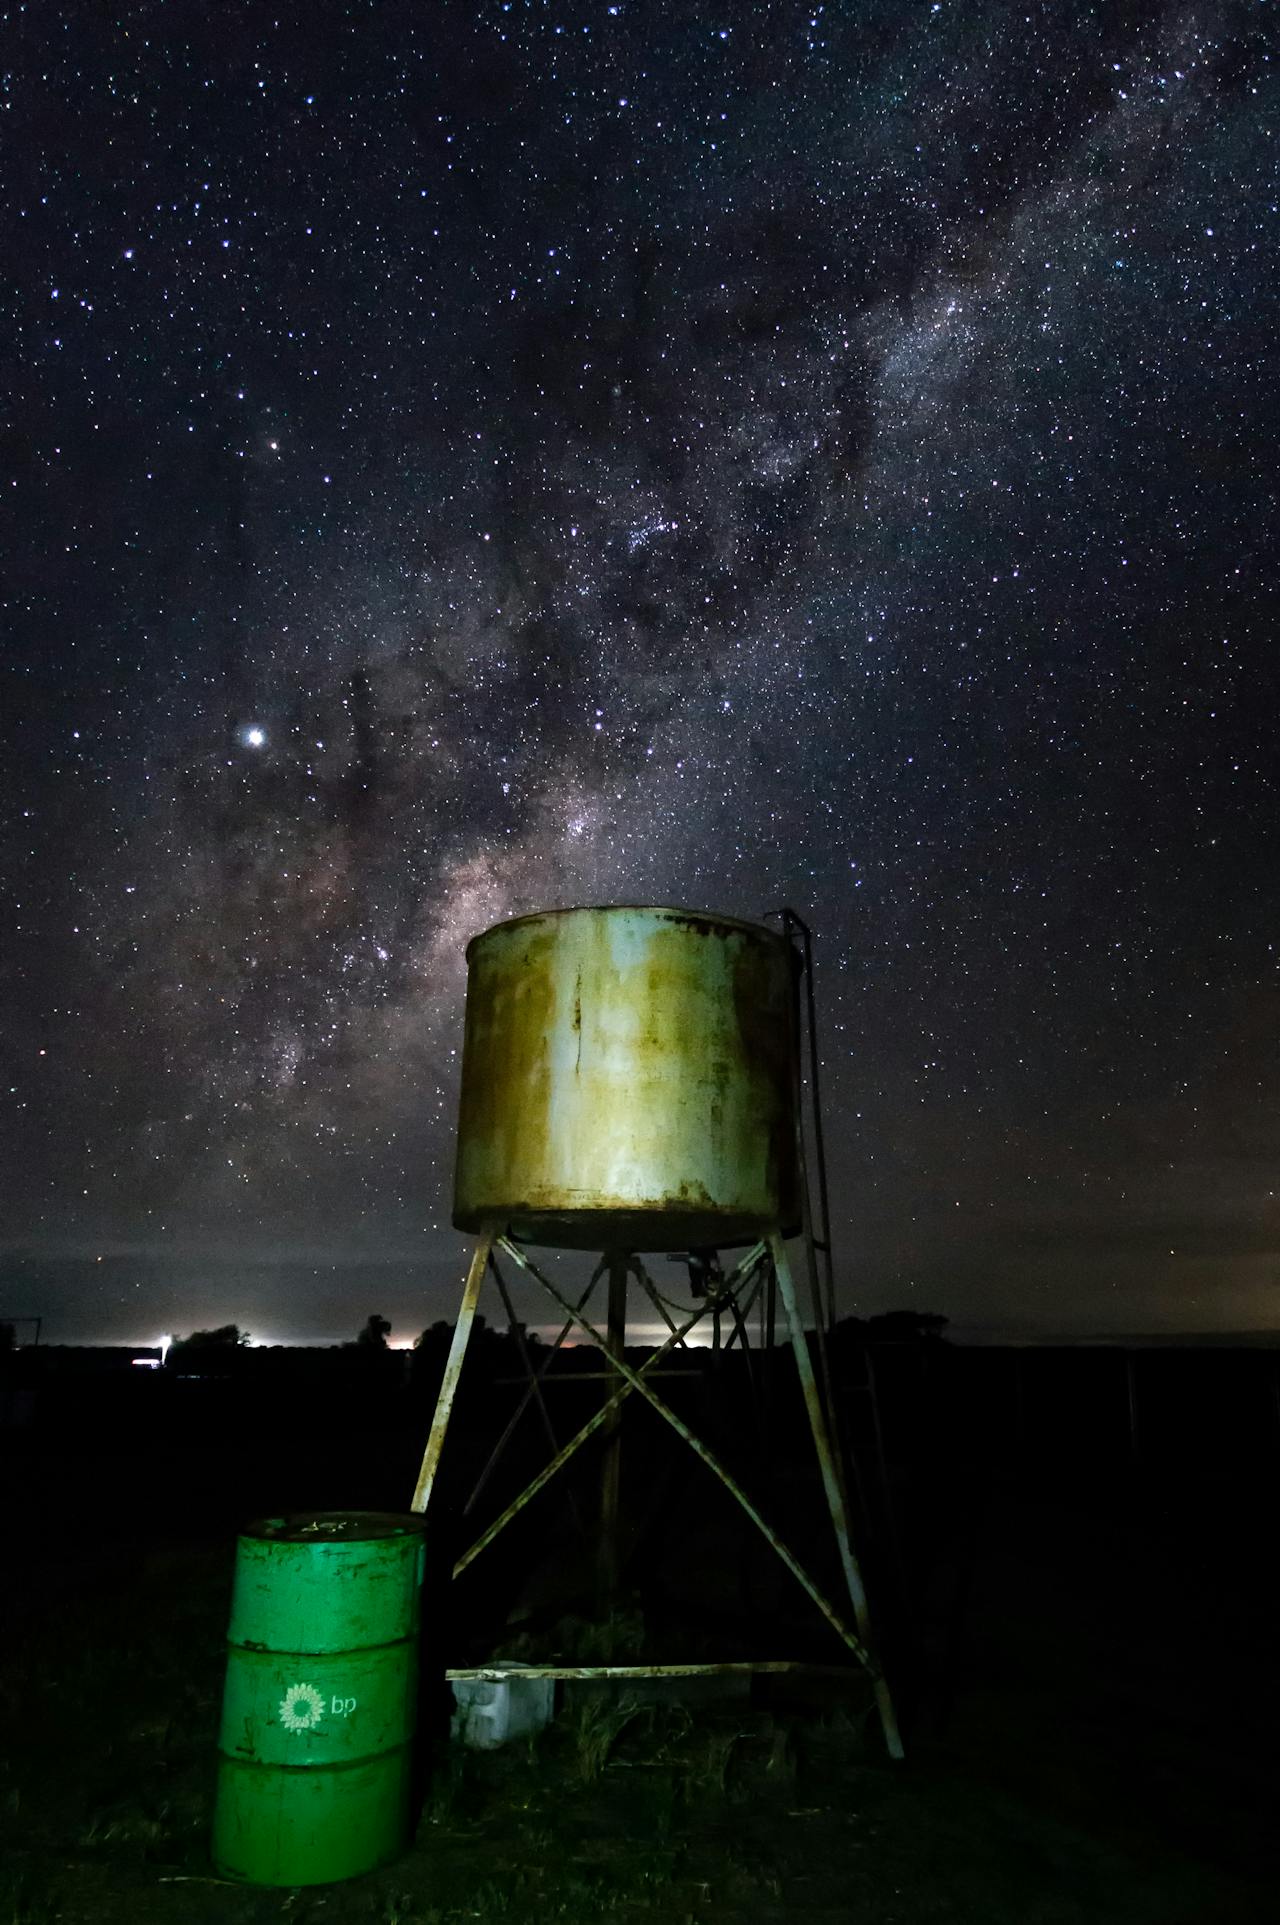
column 460, row 459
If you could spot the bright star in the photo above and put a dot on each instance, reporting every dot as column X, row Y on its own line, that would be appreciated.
column 255, row 738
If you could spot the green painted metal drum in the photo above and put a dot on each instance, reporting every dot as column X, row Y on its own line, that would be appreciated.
column 628, row 1080
column 321, row 1693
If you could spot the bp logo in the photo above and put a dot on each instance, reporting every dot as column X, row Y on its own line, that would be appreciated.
column 301, row 1708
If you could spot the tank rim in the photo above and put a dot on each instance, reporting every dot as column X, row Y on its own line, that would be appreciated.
column 334, row 1527
column 647, row 908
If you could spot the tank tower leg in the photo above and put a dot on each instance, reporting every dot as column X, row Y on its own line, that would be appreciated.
column 771, row 1251
column 452, row 1371
column 832, row 1483
column 611, row 1480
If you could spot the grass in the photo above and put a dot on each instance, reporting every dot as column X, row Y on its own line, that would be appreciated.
column 596, row 1726
column 625, row 1810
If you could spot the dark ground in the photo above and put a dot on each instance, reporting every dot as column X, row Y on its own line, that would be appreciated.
column 1082, row 1633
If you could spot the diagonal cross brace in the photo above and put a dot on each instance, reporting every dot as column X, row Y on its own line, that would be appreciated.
column 532, row 1389
column 634, row 1381
column 606, row 1410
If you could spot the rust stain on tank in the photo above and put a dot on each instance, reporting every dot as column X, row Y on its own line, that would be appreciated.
column 510, row 1013
column 765, row 1009
column 627, row 1071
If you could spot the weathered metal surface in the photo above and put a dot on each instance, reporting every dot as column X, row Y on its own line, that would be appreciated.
column 318, row 1709
column 500, row 1674
column 628, row 1080
column 452, row 1371
column 833, row 1488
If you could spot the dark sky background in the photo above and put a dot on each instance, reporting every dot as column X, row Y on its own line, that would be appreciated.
column 464, row 459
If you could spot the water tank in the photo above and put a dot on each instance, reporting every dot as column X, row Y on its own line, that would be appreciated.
column 627, row 1080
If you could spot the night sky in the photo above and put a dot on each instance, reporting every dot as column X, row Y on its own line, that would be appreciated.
column 466, row 459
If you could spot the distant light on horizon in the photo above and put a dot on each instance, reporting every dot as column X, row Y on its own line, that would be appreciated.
column 700, row 1338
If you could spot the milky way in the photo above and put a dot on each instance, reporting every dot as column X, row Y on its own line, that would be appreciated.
column 468, row 460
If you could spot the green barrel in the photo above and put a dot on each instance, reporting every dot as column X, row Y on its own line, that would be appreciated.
column 321, row 1693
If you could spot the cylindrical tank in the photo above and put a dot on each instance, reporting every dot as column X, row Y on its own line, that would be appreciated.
column 319, row 1708
column 627, row 1080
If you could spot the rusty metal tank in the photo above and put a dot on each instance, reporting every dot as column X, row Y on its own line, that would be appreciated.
column 628, row 1080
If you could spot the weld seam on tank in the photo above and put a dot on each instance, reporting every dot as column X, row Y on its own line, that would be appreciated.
column 311, row 1651
column 310, row 1770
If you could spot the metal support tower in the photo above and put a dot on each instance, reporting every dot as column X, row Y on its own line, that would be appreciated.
column 767, row 1264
